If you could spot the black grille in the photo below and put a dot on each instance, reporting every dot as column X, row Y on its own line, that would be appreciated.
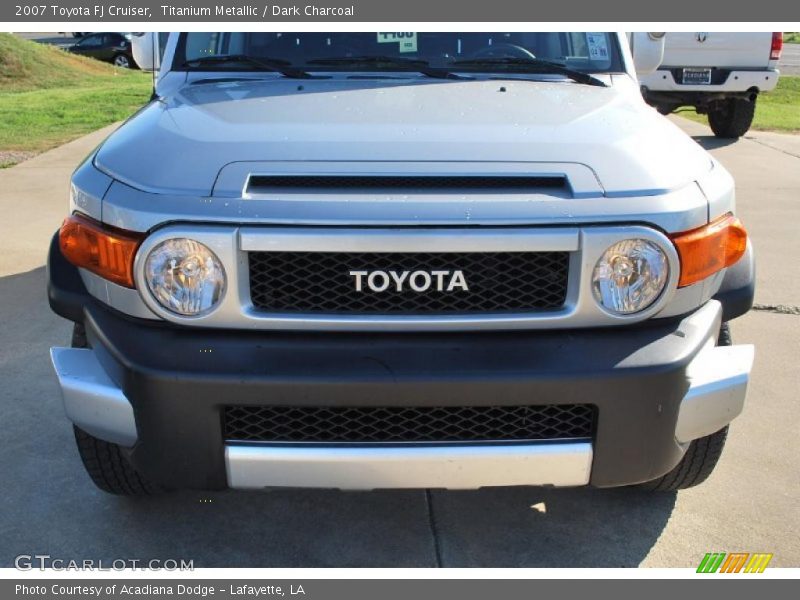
column 320, row 282
column 408, row 424
column 408, row 182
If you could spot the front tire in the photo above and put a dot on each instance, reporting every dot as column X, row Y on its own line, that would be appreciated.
column 732, row 118
column 724, row 338
column 105, row 463
column 695, row 466
column 703, row 454
column 109, row 468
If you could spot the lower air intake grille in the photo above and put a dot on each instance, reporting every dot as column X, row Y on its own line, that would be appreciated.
column 408, row 424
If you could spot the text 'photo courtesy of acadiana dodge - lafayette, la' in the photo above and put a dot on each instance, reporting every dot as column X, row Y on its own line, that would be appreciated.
column 147, row 589
column 100, row 11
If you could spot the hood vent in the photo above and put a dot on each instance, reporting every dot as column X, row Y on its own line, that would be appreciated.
column 264, row 184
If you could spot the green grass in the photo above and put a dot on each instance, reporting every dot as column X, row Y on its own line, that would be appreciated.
column 778, row 110
column 791, row 37
column 49, row 97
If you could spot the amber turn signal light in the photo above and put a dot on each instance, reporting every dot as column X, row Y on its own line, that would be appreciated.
column 710, row 248
column 105, row 251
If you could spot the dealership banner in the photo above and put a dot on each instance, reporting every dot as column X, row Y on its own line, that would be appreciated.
column 398, row 589
column 447, row 11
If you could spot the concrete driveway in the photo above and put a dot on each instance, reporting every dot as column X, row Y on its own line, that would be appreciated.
column 750, row 504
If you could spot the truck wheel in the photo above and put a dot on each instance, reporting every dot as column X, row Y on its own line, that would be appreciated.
column 105, row 463
column 725, row 338
column 120, row 60
column 732, row 118
column 695, row 466
column 109, row 469
column 79, row 336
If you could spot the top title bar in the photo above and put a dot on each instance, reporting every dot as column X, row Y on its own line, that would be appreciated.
column 26, row 11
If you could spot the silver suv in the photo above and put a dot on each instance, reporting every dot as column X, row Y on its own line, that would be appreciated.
column 400, row 260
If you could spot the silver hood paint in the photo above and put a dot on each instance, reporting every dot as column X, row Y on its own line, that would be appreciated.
column 179, row 145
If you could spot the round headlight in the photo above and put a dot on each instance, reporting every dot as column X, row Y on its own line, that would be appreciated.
column 630, row 276
column 185, row 277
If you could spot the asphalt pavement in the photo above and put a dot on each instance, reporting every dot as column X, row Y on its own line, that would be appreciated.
column 789, row 64
column 750, row 504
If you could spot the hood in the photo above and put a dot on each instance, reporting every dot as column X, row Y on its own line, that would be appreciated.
column 180, row 144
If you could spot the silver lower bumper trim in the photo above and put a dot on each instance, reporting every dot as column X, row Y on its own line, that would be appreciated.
column 394, row 467
column 718, row 378
column 92, row 400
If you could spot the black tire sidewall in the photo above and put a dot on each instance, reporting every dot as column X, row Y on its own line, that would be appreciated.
column 733, row 119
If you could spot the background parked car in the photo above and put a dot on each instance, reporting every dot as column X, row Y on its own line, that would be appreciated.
column 110, row 47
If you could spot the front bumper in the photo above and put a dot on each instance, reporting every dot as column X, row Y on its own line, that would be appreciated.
column 160, row 391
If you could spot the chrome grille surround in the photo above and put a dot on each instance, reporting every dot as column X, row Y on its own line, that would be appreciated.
column 236, row 311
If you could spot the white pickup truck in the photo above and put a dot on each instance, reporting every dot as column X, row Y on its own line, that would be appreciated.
column 719, row 74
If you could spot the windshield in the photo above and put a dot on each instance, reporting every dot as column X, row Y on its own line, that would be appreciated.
column 463, row 52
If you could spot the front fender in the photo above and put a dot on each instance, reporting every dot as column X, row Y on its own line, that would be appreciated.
column 738, row 288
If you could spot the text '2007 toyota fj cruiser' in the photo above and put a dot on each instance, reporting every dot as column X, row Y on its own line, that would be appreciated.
column 401, row 260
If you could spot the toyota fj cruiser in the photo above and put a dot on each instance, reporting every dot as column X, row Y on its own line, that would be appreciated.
column 400, row 260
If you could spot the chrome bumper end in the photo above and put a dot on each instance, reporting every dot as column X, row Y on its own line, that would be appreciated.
column 718, row 378
column 92, row 400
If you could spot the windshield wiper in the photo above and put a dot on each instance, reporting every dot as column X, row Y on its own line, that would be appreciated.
column 392, row 62
column 530, row 65
column 270, row 64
